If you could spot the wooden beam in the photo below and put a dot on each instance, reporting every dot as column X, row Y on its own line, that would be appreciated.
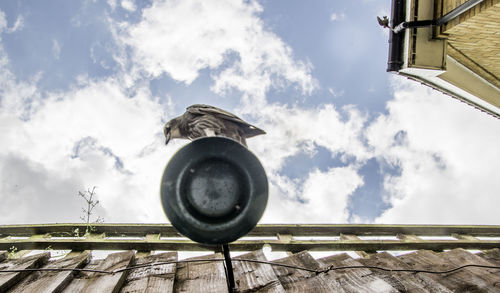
column 361, row 253
column 248, row 245
column 285, row 238
column 54, row 281
column 152, row 279
column 7, row 280
column 110, row 283
column 301, row 281
column 465, row 237
column 78, row 229
column 201, row 276
column 250, row 277
column 166, row 230
column 360, row 280
column 408, row 238
column 149, row 237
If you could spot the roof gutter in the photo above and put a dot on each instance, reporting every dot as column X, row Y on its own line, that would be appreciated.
column 398, row 24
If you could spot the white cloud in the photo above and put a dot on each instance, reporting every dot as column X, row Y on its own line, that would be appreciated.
column 126, row 4
column 108, row 132
column 18, row 24
column 18, row 98
column 447, row 153
column 56, row 49
column 97, row 134
column 293, row 130
column 94, row 134
column 32, row 194
column 3, row 21
column 322, row 198
column 223, row 35
column 112, row 4
column 337, row 16
column 336, row 93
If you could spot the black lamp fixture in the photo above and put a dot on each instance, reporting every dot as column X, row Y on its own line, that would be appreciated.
column 214, row 190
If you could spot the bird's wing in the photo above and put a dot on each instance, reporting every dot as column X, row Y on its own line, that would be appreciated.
column 380, row 21
column 200, row 125
column 200, row 109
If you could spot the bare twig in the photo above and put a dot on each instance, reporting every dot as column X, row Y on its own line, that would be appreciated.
column 91, row 202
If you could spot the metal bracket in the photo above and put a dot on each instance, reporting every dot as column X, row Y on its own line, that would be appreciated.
column 431, row 22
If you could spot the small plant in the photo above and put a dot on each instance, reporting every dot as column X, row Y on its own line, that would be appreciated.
column 12, row 252
column 56, row 253
column 91, row 202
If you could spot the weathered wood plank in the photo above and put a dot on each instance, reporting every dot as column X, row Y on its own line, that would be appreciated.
column 99, row 282
column 7, row 280
column 332, row 259
column 206, row 276
column 465, row 237
column 349, row 237
column 403, row 282
column 111, row 283
column 52, row 281
column 78, row 229
column 81, row 278
column 459, row 281
column 152, row 279
column 248, row 245
column 489, row 277
column 356, row 280
column 19, row 253
column 294, row 280
column 167, row 230
column 492, row 255
column 255, row 277
column 408, row 237
column 285, row 238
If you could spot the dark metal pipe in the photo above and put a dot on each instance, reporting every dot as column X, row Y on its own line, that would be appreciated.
column 413, row 24
column 398, row 24
column 440, row 21
column 229, row 268
column 457, row 11
column 396, row 40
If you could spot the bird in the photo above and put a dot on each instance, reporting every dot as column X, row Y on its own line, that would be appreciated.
column 201, row 120
column 383, row 22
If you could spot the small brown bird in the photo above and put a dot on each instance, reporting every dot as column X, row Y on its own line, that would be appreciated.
column 383, row 22
column 204, row 120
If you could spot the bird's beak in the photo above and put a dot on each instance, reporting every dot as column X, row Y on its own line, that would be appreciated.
column 167, row 136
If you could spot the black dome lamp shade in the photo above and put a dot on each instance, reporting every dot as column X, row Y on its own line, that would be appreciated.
column 214, row 190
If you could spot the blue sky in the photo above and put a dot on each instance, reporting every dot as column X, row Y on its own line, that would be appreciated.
column 86, row 86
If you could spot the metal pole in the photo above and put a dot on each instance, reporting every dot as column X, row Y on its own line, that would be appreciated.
column 229, row 268
column 457, row 11
column 440, row 21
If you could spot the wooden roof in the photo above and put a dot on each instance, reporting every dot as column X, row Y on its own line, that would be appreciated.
column 147, row 271
column 209, row 276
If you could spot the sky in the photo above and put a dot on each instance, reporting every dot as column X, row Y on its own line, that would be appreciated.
column 86, row 87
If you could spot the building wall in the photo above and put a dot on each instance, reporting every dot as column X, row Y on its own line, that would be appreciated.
column 442, row 7
column 462, row 57
column 475, row 40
